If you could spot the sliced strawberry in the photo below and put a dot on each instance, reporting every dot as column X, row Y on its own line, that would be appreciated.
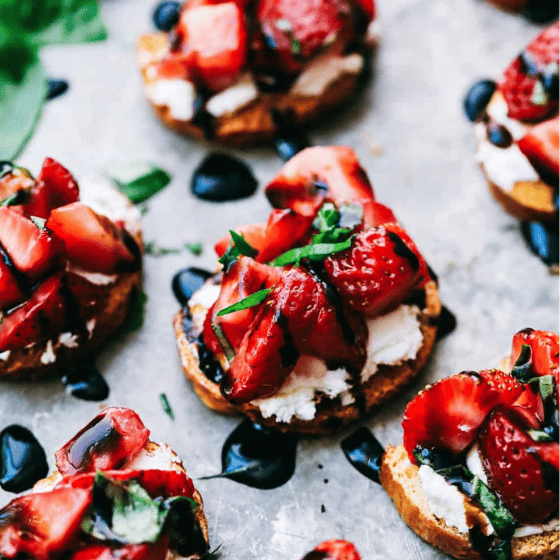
column 525, row 80
column 318, row 174
column 42, row 525
column 39, row 318
column 91, row 240
column 377, row 214
column 285, row 229
column 448, row 414
column 541, row 146
column 215, row 40
column 243, row 278
column 33, row 251
column 379, row 270
column 114, row 435
column 333, row 550
column 10, row 291
column 514, row 468
column 544, row 351
column 55, row 187
column 264, row 360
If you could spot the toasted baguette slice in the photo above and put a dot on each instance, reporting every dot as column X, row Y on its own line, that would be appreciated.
column 254, row 123
column 154, row 456
column 52, row 356
column 400, row 479
column 331, row 414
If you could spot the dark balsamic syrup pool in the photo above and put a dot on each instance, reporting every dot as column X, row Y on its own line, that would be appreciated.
column 22, row 459
column 446, row 324
column 259, row 457
column 221, row 178
column 542, row 239
column 364, row 452
column 187, row 281
column 84, row 382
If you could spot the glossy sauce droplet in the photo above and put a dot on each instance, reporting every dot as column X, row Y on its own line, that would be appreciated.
column 22, row 459
column 499, row 135
column 86, row 383
column 221, row 178
column 477, row 98
column 289, row 138
column 259, row 457
column 542, row 240
column 166, row 15
column 56, row 88
column 208, row 363
column 364, row 452
column 446, row 323
column 188, row 281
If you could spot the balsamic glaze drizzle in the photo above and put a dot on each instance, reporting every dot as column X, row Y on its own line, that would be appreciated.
column 364, row 452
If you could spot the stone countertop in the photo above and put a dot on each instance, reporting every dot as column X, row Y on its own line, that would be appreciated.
column 409, row 130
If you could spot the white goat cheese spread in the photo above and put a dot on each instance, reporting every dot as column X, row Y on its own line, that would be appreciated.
column 5, row 355
column 48, row 356
column 392, row 339
column 68, row 339
column 234, row 97
column 178, row 95
column 447, row 503
column 322, row 72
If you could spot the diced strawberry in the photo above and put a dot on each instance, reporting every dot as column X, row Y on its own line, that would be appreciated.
column 54, row 187
column 285, row 229
column 39, row 318
column 333, row 550
column 377, row 214
column 197, row 3
column 91, row 240
column 544, row 351
column 295, row 31
column 541, row 146
column 527, row 75
column 379, row 270
column 42, row 525
column 114, row 435
column 264, row 359
column 514, row 468
column 318, row 174
column 316, row 320
column 90, row 298
column 243, row 278
column 215, row 42
column 448, row 414
column 33, row 251
column 10, row 292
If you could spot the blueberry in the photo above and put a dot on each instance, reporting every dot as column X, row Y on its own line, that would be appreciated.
column 188, row 281
column 541, row 11
column 166, row 15
column 477, row 98
column 56, row 88
column 499, row 135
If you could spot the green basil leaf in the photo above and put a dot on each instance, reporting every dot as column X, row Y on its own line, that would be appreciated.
column 224, row 342
column 245, row 303
column 19, row 197
column 195, row 248
column 20, row 108
column 166, row 406
column 327, row 217
column 155, row 250
column 316, row 252
column 501, row 519
column 539, row 435
column 332, row 235
column 17, row 54
column 39, row 222
column 547, row 387
column 138, row 181
column 238, row 246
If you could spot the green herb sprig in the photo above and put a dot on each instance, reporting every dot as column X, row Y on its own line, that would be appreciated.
column 238, row 246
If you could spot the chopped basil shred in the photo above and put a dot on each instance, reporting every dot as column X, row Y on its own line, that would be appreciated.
column 224, row 342
column 539, row 435
column 245, row 303
column 152, row 248
column 166, row 406
column 314, row 252
column 17, row 198
column 39, row 222
column 195, row 248
column 138, row 181
column 238, row 246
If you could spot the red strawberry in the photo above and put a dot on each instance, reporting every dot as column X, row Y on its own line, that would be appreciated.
column 528, row 74
column 316, row 320
column 285, row 229
column 215, row 41
column 243, row 278
column 10, row 292
column 381, row 268
column 318, row 174
column 157, row 551
column 544, row 351
column 333, row 550
column 264, row 360
column 448, row 414
column 541, row 146
column 33, row 251
column 369, row 7
column 42, row 525
column 111, row 437
column 377, row 214
column 39, row 318
column 514, row 468
column 91, row 240
column 18, row 180
column 294, row 30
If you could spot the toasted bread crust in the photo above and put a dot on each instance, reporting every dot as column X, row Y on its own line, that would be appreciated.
column 331, row 415
column 26, row 362
column 253, row 123
column 400, row 479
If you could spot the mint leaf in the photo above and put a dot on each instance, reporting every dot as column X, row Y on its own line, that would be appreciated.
column 238, row 246
column 314, row 252
column 138, row 181
column 245, row 303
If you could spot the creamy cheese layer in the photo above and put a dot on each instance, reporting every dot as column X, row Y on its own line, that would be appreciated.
column 177, row 95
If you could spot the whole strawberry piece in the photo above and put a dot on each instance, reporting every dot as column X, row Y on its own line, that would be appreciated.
column 515, row 469
column 530, row 85
column 333, row 550
column 544, row 351
column 381, row 268
column 447, row 415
